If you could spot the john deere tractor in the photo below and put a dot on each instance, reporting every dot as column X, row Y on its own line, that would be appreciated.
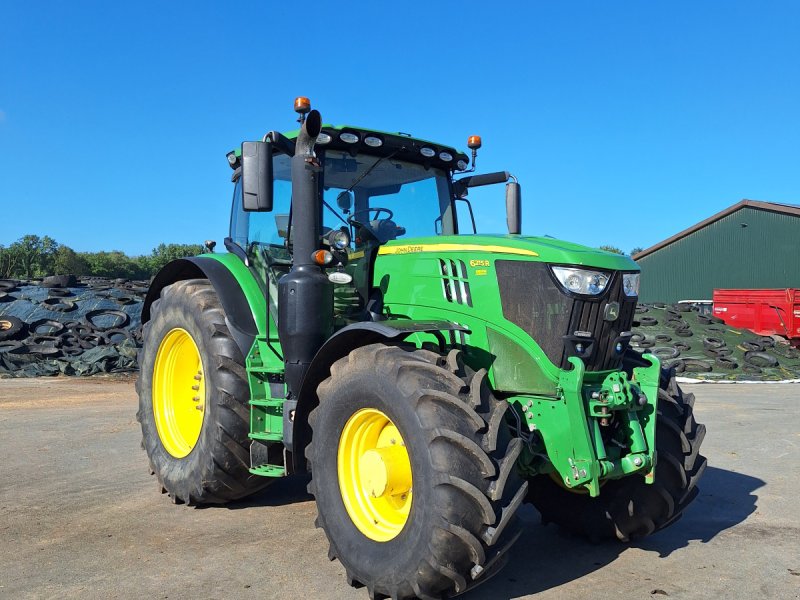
column 430, row 378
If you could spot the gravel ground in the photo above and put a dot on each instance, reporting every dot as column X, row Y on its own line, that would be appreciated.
column 80, row 516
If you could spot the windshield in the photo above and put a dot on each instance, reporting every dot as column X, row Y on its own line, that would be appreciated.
column 415, row 201
column 385, row 198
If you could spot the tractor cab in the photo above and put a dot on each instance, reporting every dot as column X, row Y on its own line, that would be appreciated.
column 372, row 187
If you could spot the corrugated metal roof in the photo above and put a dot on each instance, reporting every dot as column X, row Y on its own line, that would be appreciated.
column 787, row 209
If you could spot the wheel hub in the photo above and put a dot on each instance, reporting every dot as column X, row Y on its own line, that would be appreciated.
column 385, row 471
column 375, row 477
column 178, row 392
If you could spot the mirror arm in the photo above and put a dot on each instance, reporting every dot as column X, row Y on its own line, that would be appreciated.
column 281, row 142
column 460, row 185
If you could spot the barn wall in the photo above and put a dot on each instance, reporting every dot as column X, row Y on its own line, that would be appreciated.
column 750, row 248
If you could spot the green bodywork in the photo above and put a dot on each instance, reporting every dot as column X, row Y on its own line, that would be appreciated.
column 554, row 403
column 264, row 363
column 559, row 413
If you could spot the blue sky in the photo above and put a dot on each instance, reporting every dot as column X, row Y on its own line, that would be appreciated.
column 624, row 121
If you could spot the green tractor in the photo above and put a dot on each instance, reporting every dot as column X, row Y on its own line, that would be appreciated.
column 429, row 378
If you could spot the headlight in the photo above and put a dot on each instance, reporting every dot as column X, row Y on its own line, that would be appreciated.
column 348, row 138
column 339, row 239
column 581, row 281
column 630, row 283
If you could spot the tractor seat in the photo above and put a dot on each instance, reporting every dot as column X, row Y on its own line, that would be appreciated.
column 386, row 230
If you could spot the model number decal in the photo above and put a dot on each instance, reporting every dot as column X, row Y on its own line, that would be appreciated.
column 479, row 263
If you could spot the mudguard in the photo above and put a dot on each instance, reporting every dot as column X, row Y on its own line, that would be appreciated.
column 297, row 434
column 240, row 313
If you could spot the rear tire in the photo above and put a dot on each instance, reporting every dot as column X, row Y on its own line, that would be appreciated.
column 629, row 508
column 216, row 468
column 11, row 328
column 465, row 489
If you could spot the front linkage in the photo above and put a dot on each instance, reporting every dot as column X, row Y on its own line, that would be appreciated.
column 597, row 428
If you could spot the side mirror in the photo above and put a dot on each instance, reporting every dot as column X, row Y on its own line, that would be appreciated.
column 514, row 207
column 257, row 176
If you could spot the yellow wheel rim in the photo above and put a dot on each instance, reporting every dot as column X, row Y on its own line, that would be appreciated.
column 374, row 475
column 179, row 392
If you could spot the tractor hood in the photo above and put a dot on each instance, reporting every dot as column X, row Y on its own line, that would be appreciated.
column 539, row 249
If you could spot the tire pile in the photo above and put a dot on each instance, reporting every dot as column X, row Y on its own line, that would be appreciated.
column 701, row 346
column 62, row 325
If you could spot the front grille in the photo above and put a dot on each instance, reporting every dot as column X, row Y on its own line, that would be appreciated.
column 533, row 300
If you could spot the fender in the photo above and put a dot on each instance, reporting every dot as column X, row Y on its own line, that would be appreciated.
column 232, row 281
column 297, row 432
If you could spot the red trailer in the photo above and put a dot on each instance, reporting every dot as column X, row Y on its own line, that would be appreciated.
column 766, row 312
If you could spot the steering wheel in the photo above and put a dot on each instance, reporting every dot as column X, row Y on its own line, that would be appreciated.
column 366, row 226
column 377, row 209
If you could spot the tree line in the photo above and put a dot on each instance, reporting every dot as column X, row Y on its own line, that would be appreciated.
column 616, row 250
column 32, row 256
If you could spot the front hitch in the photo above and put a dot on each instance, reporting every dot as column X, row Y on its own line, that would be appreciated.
column 597, row 429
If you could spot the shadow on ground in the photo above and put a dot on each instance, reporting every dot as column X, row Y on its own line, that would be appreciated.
column 546, row 557
column 281, row 491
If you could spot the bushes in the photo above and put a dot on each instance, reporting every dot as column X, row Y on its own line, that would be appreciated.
column 32, row 256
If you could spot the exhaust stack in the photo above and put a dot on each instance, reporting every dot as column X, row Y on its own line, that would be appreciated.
column 305, row 295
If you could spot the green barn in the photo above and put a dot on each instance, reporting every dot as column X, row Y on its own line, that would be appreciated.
column 751, row 244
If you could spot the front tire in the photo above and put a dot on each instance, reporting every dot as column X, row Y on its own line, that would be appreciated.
column 193, row 399
column 413, row 472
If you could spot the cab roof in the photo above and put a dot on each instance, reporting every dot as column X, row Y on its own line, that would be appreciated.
column 397, row 144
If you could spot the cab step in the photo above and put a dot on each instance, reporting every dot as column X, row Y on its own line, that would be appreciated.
column 264, row 454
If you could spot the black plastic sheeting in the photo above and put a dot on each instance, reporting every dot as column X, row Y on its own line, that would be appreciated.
column 98, row 330
column 101, row 322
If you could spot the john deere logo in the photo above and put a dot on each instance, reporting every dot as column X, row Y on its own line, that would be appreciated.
column 611, row 311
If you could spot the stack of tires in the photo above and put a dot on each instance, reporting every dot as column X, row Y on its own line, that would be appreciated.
column 61, row 325
column 701, row 345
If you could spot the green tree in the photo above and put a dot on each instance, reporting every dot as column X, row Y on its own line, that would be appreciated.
column 636, row 250
column 114, row 264
column 144, row 267
column 613, row 249
column 46, row 259
column 32, row 256
column 165, row 253
column 9, row 262
column 68, row 262
column 35, row 254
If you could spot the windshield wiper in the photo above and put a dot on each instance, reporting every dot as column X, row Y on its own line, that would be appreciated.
column 372, row 168
column 338, row 216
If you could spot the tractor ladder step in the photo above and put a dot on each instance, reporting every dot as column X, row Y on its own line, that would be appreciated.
column 268, row 403
column 266, row 370
column 269, row 470
column 267, row 437
column 263, row 457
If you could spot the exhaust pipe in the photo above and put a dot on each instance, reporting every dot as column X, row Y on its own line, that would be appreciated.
column 305, row 295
